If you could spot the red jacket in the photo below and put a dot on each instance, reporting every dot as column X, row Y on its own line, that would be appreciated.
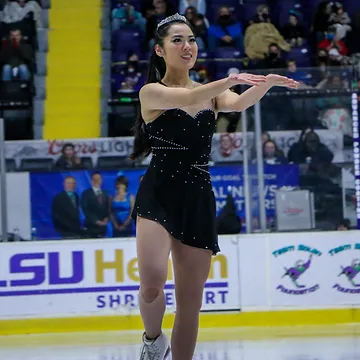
column 326, row 43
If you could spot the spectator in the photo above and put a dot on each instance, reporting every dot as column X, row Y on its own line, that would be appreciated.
column 262, row 15
column 271, row 154
column 199, row 25
column 66, row 211
column 265, row 136
column 340, row 19
column 15, row 11
column 226, row 150
column 199, row 5
column 344, row 225
column 332, row 42
column 228, row 222
column 226, row 32
column 293, row 31
column 335, row 111
column 322, row 58
column 309, row 149
column 148, row 9
column 322, row 63
column 16, row 58
column 199, row 75
column 203, row 75
column 122, row 205
column 299, row 75
column 131, row 78
column 95, row 205
column 68, row 159
column 273, row 58
column 127, row 16
column 297, row 146
column 321, row 20
column 162, row 9
column 353, row 37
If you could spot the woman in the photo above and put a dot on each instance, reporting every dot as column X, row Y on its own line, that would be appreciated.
column 175, row 204
column 199, row 25
column 121, row 208
column 68, row 159
column 271, row 154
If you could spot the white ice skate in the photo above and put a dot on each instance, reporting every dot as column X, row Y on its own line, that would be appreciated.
column 158, row 349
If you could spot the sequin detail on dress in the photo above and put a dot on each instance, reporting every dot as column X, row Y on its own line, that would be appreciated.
column 176, row 189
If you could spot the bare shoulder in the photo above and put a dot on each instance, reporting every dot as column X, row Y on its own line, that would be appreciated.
column 147, row 94
column 147, row 89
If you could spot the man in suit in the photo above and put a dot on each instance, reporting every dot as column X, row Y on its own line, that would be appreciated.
column 66, row 211
column 95, row 206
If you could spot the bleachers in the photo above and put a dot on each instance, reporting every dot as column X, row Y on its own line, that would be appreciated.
column 22, row 102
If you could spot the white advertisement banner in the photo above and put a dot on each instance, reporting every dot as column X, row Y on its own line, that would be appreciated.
column 225, row 147
column 18, row 205
column 52, row 149
column 96, row 277
column 314, row 269
column 253, row 273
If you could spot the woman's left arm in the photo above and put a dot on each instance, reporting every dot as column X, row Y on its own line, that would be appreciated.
column 129, row 218
column 229, row 101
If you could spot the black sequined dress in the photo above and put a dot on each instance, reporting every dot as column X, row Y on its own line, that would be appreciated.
column 176, row 190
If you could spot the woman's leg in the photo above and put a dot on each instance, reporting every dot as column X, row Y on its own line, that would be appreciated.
column 153, row 249
column 191, row 270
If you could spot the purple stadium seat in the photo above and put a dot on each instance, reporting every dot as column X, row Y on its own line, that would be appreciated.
column 222, row 67
column 127, row 40
column 301, row 56
column 283, row 11
column 351, row 6
column 248, row 9
column 228, row 53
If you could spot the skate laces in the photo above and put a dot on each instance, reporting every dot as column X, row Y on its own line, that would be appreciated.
column 152, row 351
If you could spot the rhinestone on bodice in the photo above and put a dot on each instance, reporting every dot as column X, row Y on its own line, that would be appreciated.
column 176, row 190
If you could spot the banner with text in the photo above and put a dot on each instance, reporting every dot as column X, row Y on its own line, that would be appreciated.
column 225, row 147
column 55, row 216
column 314, row 270
column 97, row 277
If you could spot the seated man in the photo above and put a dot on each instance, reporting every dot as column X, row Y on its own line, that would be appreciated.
column 227, row 31
column 16, row 58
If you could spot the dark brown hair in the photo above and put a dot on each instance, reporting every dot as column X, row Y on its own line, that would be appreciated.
column 157, row 69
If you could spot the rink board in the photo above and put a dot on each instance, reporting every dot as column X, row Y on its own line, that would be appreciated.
column 257, row 280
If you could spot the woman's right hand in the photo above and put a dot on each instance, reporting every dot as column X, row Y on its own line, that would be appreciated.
column 247, row 79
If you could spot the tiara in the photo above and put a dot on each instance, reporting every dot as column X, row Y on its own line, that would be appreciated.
column 176, row 17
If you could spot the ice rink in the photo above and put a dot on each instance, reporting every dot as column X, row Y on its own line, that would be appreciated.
column 295, row 343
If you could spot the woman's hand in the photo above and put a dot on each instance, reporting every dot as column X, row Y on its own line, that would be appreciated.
column 247, row 79
column 278, row 80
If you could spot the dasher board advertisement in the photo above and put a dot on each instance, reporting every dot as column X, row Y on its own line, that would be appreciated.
column 96, row 277
column 315, row 270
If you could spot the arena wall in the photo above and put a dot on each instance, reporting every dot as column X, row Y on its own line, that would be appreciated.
column 257, row 280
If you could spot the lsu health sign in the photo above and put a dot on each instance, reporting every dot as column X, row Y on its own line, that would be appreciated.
column 91, row 276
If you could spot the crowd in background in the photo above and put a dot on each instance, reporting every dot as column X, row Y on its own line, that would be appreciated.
column 266, row 42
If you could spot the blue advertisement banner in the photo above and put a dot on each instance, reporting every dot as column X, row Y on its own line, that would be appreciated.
column 61, row 201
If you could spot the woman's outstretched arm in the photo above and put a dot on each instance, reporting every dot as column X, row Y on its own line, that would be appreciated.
column 229, row 101
column 159, row 97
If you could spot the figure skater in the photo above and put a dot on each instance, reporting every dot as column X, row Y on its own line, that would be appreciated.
column 175, row 204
